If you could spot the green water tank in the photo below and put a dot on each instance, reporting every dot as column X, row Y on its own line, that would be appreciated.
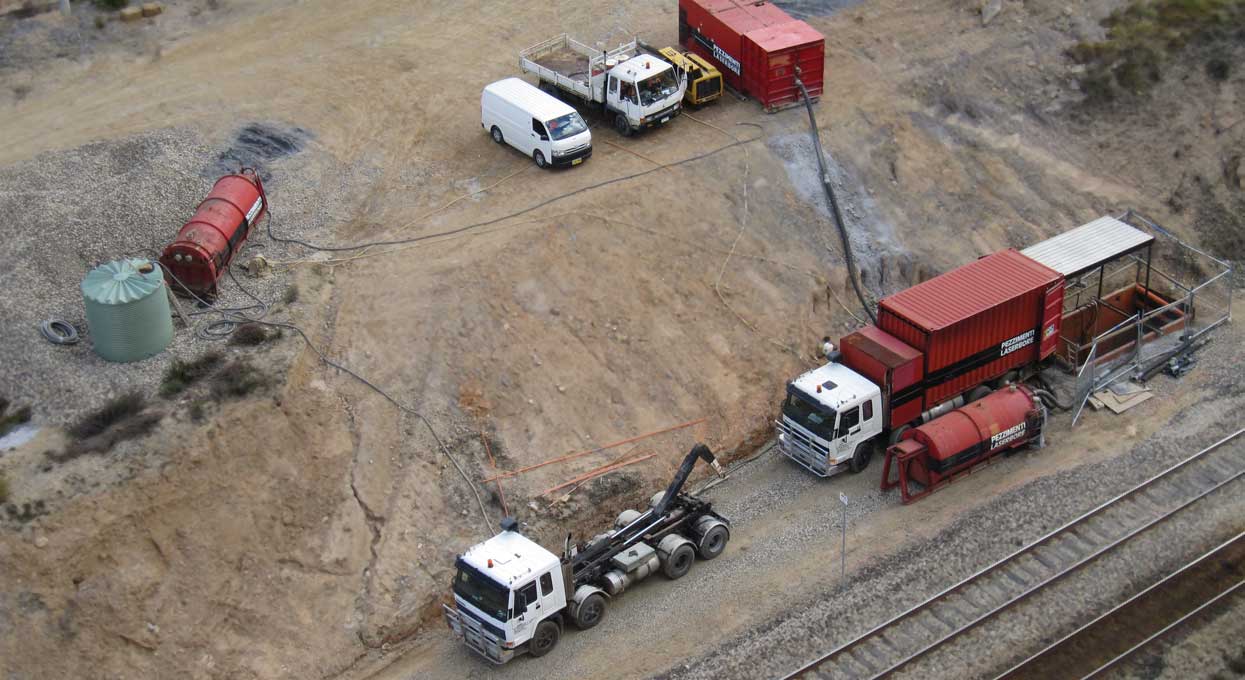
column 127, row 310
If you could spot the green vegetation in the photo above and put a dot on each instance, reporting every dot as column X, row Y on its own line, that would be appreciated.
column 8, row 420
column 4, row 488
column 118, row 420
column 115, row 411
column 237, row 379
column 291, row 294
column 182, row 374
column 251, row 334
column 1141, row 35
column 111, row 4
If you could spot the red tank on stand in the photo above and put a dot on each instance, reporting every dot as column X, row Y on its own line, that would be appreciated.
column 208, row 242
column 937, row 452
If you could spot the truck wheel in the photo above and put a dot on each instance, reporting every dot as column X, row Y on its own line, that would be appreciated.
column 713, row 542
column 544, row 639
column 622, row 126
column 680, row 562
column 590, row 611
column 539, row 158
column 496, row 133
column 860, row 458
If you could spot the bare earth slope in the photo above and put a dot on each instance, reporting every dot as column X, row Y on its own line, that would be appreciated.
column 303, row 530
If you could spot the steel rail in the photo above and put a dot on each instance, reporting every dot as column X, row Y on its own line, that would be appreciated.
column 997, row 565
column 1166, row 629
column 1149, row 589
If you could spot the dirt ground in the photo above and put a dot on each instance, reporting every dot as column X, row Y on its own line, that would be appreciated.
column 299, row 533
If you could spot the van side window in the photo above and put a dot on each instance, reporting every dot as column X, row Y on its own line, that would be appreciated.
column 539, row 128
column 849, row 419
column 546, row 583
column 867, row 410
column 613, row 85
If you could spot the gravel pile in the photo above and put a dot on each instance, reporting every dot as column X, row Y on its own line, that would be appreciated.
column 73, row 210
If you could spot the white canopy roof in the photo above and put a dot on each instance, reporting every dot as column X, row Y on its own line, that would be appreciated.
column 1088, row 246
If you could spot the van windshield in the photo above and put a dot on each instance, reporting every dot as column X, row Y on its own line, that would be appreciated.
column 566, row 126
column 658, row 87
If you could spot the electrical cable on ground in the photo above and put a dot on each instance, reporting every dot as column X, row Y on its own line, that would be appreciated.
column 237, row 319
column 834, row 204
column 495, row 220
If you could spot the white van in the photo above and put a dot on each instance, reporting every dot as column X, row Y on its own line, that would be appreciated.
column 537, row 124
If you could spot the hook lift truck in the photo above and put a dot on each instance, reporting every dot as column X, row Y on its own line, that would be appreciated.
column 512, row 596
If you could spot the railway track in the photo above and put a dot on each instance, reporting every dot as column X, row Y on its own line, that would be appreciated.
column 1010, row 581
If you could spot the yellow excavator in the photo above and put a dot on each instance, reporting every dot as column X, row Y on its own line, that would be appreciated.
column 704, row 82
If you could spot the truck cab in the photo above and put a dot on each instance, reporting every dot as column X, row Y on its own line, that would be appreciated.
column 643, row 92
column 503, row 589
column 829, row 418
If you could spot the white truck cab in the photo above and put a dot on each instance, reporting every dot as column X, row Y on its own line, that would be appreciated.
column 504, row 588
column 540, row 126
column 829, row 419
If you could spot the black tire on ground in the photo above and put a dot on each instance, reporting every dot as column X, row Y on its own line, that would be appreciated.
column 590, row 611
column 713, row 543
column 539, row 158
column 978, row 392
column 680, row 562
column 496, row 133
column 544, row 639
column 622, row 126
column 861, row 456
column 897, row 433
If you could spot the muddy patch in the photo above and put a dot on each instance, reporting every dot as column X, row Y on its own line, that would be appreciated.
column 258, row 145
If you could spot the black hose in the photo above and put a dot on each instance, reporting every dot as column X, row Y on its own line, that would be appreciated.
column 1051, row 400
column 834, row 205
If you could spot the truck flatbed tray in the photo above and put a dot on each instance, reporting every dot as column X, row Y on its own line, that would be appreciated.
column 566, row 61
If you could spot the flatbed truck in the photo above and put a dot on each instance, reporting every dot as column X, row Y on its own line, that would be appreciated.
column 635, row 91
column 512, row 596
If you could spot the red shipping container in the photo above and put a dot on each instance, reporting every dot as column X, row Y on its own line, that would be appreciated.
column 977, row 322
column 757, row 46
column 888, row 363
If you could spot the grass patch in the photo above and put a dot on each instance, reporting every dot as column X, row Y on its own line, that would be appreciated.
column 291, row 294
column 251, row 334
column 118, row 420
column 111, row 4
column 182, row 374
column 4, row 488
column 115, row 411
column 1140, row 37
column 10, row 420
column 237, row 379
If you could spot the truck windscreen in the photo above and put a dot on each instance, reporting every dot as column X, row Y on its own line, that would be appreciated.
column 482, row 592
column 566, row 126
column 658, row 87
column 813, row 417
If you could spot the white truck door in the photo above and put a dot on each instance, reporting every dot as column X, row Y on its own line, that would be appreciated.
column 552, row 598
column 527, row 611
column 611, row 95
column 850, row 431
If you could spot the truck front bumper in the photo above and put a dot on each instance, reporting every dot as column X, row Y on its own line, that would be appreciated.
column 473, row 634
column 661, row 117
column 808, row 453
column 573, row 158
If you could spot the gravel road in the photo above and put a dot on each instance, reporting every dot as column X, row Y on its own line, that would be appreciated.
column 774, row 598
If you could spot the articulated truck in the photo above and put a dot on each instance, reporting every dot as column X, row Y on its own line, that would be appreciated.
column 513, row 596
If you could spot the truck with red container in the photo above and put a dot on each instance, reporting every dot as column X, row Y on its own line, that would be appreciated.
column 206, row 244
column 758, row 47
column 932, row 455
column 935, row 347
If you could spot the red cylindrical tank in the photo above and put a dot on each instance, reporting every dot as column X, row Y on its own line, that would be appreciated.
column 208, row 242
column 933, row 453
